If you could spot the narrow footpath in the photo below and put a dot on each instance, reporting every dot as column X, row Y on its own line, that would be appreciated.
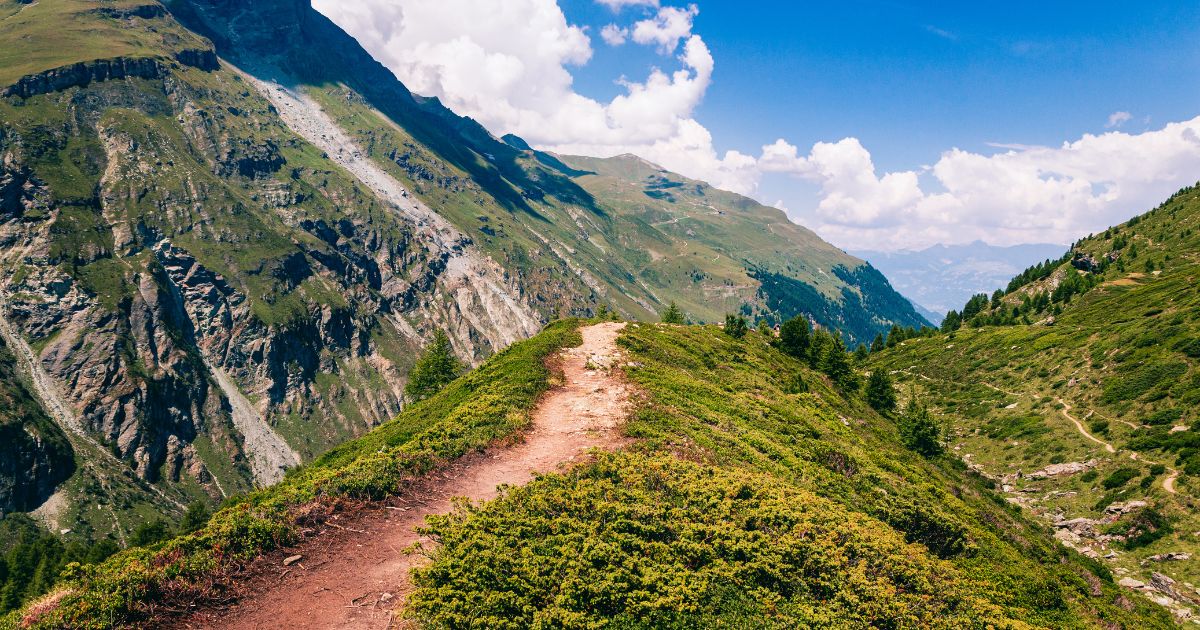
column 357, row 574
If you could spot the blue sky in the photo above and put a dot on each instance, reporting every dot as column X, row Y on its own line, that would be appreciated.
column 867, row 98
column 912, row 79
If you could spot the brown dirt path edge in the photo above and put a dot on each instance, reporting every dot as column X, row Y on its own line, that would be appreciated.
column 357, row 575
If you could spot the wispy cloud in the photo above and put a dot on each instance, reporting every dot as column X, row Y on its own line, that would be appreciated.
column 941, row 32
column 1116, row 119
column 1015, row 146
column 617, row 5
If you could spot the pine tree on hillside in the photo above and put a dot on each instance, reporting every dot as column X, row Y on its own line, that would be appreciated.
column 861, row 354
column 877, row 345
column 735, row 326
column 919, row 430
column 816, row 347
column 894, row 336
column 436, row 368
column 194, row 518
column 795, row 337
column 673, row 315
column 952, row 322
column 836, row 363
column 881, row 395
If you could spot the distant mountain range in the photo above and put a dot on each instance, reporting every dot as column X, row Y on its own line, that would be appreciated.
column 944, row 277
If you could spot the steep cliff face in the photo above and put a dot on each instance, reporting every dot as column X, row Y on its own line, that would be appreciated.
column 35, row 456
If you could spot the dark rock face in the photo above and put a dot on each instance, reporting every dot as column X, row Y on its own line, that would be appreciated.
column 20, row 193
column 202, row 58
column 83, row 74
column 35, row 457
column 256, row 160
column 237, row 25
column 1085, row 262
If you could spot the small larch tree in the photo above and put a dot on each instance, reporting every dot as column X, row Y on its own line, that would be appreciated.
column 881, row 394
column 919, row 430
column 673, row 315
column 436, row 368
column 735, row 326
column 795, row 336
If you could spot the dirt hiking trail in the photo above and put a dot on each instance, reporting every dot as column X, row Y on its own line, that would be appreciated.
column 1066, row 411
column 356, row 574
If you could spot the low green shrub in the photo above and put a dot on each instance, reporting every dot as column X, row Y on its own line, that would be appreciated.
column 1119, row 477
column 650, row 541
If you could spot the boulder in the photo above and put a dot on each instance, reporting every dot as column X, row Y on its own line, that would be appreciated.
column 1174, row 556
column 1080, row 526
column 1124, row 508
column 1062, row 470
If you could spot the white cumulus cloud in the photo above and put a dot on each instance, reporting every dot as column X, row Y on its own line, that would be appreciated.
column 1026, row 194
column 614, row 35
column 666, row 28
column 510, row 67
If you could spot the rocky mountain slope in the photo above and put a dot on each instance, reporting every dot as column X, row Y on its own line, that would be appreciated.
column 225, row 231
column 1077, row 388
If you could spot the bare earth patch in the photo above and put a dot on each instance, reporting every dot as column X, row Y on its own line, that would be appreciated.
column 356, row 574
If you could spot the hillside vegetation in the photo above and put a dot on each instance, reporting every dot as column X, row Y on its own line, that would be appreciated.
column 748, row 500
column 1077, row 387
column 740, row 502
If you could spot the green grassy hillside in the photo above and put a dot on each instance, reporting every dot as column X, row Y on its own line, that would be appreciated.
column 1107, row 374
column 740, row 504
column 58, row 33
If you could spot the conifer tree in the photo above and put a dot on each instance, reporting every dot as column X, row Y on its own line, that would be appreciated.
column 795, row 337
column 919, row 431
column 881, row 395
column 877, row 344
column 672, row 315
column 952, row 322
column 735, row 326
column 194, row 518
column 836, row 364
column 436, row 368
